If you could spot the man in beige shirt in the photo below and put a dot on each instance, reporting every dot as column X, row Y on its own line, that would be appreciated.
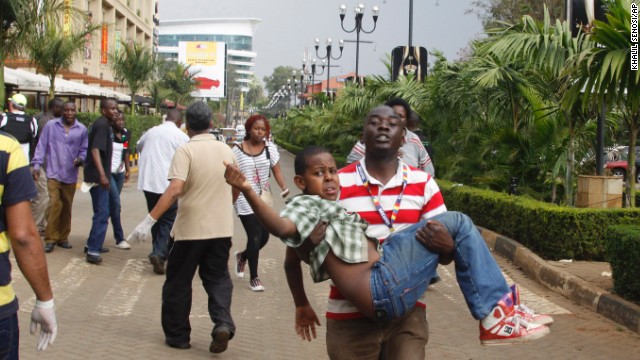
column 201, row 233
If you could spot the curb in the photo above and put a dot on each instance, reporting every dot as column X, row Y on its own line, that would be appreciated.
column 593, row 297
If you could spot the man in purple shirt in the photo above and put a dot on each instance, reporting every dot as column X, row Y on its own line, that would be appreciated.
column 63, row 145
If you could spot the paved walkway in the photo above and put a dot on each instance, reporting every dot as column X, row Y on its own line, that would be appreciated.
column 112, row 311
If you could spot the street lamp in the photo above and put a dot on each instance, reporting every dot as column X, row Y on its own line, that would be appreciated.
column 328, row 56
column 359, row 14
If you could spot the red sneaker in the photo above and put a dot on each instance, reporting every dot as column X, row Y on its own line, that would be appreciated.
column 525, row 312
column 504, row 326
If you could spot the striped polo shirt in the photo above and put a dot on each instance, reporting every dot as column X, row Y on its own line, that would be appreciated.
column 421, row 200
column 16, row 185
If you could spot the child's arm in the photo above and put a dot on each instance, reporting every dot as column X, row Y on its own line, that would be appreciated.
column 280, row 227
column 306, row 318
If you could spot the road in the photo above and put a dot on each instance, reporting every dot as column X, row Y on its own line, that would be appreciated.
column 112, row 311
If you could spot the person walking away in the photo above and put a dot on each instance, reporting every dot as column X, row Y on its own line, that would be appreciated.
column 157, row 147
column 202, row 233
column 119, row 175
column 20, row 125
column 97, row 172
column 40, row 204
column 63, row 147
column 18, row 233
column 256, row 158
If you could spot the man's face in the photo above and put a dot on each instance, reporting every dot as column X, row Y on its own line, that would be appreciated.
column 320, row 178
column 57, row 110
column 383, row 130
column 111, row 111
column 401, row 113
column 69, row 113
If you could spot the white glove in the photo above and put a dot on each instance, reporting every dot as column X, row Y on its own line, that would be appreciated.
column 44, row 314
column 142, row 231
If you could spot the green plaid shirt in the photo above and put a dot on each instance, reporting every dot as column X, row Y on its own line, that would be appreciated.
column 344, row 236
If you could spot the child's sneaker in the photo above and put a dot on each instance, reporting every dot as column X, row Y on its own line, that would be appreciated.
column 504, row 326
column 240, row 262
column 525, row 312
column 256, row 285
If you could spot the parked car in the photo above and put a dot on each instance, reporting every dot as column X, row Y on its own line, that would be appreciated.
column 240, row 132
column 617, row 165
column 217, row 135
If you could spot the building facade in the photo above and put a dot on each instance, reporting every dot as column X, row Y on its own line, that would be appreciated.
column 237, row 33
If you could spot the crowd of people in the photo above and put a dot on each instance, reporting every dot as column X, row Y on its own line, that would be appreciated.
column 377, row 228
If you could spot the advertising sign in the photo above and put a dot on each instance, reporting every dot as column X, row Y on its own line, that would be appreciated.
column 409, row 60
column 207, row 60
column 104, row 48
column 66, row 27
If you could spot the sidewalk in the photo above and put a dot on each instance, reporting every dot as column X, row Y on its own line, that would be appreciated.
column 580, row 281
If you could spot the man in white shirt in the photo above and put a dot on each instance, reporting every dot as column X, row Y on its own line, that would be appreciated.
column 157, row 147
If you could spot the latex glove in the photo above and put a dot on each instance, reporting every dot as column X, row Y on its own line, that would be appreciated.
column 142, row 231
column 44, row 314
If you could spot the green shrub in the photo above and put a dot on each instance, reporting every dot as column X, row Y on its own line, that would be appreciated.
column 551, row 231
column 623, row 253
column 137, row 124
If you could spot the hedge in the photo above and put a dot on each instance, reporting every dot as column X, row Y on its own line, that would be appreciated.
column 623, row 254
column 553, row 232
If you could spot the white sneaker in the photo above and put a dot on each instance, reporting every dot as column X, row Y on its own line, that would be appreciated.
column 256, row 285
column 123, row 245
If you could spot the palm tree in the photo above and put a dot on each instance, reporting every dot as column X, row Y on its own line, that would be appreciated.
column 158, row 93
column 133, row 64
column 180, row 80
column 51, row 50
column 604, row 74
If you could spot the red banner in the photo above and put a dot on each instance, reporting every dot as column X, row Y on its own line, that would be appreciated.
column 105, row 43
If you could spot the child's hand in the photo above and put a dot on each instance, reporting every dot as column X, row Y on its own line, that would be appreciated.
column 235, row 177
column 306, row 321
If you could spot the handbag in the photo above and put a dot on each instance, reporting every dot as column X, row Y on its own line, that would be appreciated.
column 265, row 190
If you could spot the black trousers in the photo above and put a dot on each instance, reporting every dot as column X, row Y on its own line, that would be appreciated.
column 161, row 231
column 210, row 258
column 257, row 237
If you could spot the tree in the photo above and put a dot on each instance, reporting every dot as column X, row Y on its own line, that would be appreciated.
column 20, row 19
column 50, row 49
column 134, row 64
column 493, row 12
column 604, row 74
column 158, row 93
column 180, row 80
column 278, row 78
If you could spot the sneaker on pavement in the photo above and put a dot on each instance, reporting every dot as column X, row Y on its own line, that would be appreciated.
column 220, row 341
column 240, row 263
column 123, row 245
column 504, row 326
column 525, row 312
column 256, row 285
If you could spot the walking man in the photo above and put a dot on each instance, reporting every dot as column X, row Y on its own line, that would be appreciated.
column 22, row 126
column 63, row 147
column 20, row 235
column 202, row 233
column 97, row 172
column 157, row 147
column 40, row 204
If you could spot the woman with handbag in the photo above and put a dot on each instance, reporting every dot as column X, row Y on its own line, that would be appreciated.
column 257, row 158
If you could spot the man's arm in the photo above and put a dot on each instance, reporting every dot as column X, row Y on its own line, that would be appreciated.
column 40, row 153
column 168, row 198
column 95, row 154
column 306, row 318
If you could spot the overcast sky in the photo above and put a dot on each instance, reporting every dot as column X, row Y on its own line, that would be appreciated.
column 288, row 26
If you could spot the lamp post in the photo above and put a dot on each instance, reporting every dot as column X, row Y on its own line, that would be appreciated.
column 328, row 56
column 357, row 28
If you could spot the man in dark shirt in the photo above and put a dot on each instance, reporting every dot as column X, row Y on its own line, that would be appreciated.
column 97, row 172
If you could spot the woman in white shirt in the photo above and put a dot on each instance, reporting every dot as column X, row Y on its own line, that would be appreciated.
column 119, row 175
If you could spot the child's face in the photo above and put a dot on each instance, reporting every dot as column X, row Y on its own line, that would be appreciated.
column 320, row 178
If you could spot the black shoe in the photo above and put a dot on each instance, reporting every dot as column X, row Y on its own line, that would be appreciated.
column 65, row 245
column 158, row 264
column 220, row 341
column 48, row 247
column 183, row 346
column 94, row 259
column 102, row 251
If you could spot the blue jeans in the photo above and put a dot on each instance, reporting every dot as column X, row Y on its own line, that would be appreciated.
column 161, row 231
column 406, row 267
column 9, row 337
column 100, row 222
column 115, row 188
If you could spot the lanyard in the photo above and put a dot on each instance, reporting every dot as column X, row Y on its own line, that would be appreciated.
column 376, row 201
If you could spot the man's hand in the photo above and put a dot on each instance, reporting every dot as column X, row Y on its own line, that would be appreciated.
column 35, row 174
column 44, row 314
column 104, row 182
column 306, row 321
column 235, row 177
column 314, row 239
column 142, row 231
column 435, row 237
column 77, row 162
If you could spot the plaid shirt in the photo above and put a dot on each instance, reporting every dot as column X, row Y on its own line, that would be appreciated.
column 344, row 236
